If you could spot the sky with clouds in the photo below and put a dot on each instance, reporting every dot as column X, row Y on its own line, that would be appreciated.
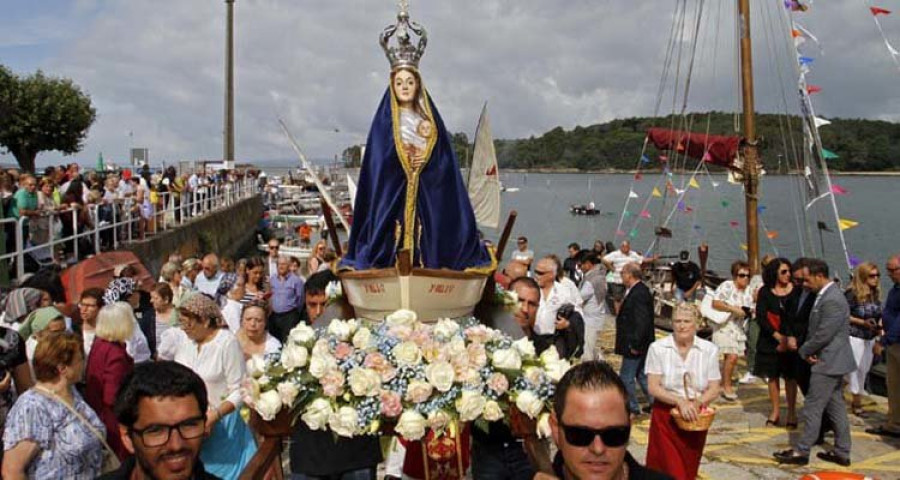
column 155, row 68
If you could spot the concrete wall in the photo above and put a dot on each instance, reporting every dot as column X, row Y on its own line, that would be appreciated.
column 226, row 232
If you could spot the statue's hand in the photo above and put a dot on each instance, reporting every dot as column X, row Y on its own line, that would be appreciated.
column 417, row 160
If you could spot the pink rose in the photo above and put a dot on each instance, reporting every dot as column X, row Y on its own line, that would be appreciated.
column 380, row 364
column 343, row 350
column 498, row 383
column 332, row 383
column 400, row 332
column 420, row 337
column 478, row 334
column 477, row 355
column 391, row 406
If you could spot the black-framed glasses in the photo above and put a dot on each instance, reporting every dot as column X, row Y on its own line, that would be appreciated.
column 874, row 275
column 158, row 435
column 784, row 272
column 583, row 436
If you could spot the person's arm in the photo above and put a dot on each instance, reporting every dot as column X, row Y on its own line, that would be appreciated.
column 117, row 367
column 766, row 329
column 17, row 459
column 687, row 408
column 721, row 306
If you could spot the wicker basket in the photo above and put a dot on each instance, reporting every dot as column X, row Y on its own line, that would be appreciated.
column 704, row 419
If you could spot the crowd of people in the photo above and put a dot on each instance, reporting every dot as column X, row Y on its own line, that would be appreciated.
column 64, row 200
column 102, row 388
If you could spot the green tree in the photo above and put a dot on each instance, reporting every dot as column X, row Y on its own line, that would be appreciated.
column 42, row 113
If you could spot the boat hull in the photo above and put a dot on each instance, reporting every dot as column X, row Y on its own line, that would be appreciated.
column 432, row 294
column 301, row 253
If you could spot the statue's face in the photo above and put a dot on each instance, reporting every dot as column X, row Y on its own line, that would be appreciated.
column 405, row 86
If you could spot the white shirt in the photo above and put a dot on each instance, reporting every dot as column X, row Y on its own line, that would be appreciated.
column 561, row 293
column 272, row 344
column 702, row 362
column 525, row 256
column 822, row 292
column 220, row 363
column 169, row 342
column 208, row 285
column 593, row 311
column 618, row 260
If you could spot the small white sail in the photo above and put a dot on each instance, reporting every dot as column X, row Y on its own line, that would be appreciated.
column 351, row 187
column 484, row 177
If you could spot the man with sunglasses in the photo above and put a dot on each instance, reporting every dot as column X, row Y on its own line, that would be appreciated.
column 590, row 426
column 522, row 253
column 162, row 421
column 890, row 341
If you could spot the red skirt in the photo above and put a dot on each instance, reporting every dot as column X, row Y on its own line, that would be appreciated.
column 670, row 449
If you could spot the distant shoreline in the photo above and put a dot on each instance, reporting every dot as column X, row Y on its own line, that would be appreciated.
column 632, row 172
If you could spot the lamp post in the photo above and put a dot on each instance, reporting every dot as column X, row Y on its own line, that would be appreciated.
column 228, row 155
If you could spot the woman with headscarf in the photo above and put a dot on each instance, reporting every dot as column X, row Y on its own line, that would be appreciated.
column 215, row 355
column 19, row 303
column 38, row 324
column 123, row 290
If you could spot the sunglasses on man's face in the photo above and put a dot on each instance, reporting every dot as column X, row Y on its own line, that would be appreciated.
column 612, row 437
column 743, row 275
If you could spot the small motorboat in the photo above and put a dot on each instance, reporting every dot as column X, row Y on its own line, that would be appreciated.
column 589, row 209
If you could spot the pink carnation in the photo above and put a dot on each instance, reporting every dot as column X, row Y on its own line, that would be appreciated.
column 400, row 332
column 332, row 383
column 380, row 364
column 498, row 383
column 477, row 355
column 391, row 406
column 478, row 334
column 343, row 350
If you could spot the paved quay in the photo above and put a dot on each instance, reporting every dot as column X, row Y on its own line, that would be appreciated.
column 740, row 446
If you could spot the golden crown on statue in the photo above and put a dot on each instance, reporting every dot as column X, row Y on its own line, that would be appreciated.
column 404, row 54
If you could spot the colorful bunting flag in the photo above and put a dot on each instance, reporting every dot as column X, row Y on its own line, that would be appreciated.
column 633, row 233
column 839, row 190
column 627, row 214
column 801, row 34
column 795, row 6
column 725, row 203
column 681, row 205
column 820, row 122
column 760, row 209
column 656, row 193
column 854, row 260
column 811, row 89
column 693, row 183
column 663, row 158
column 645, row 159
column 714, row 184
column 679, row 191
column 697, row 227
column 645, row 214
column 879, row 11
column 620, row 233
column 638, row 177
column 845, row 224
column 707, row 157
column 734, row 224
column 772, row 234
column 632, row 194
column 828, row 154
column 744, row 246
column 806, row 60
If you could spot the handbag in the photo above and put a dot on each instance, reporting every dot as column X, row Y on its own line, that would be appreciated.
column 110, row 459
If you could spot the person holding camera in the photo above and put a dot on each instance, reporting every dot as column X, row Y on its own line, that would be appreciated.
column 634, row 333
column 559, row 319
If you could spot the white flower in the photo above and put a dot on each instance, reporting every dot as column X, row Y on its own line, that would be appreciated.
column 407, row 353
column 438, row 419
column 334, row 290
column 362, row 339
column 529, row 403
column 550, row 355
column 411, row 425
column 302, row 333
column 268, row 405
column 535, row 375
column 524, row 347
column 440, row 375
column 317, row 414
column 506, row 359
column 470, row 405
column 446, row 328
column 510, row 297
column 418, row 391
column 492, row 411
column 256, row 366
column 543, row 426
column 340, row 329
column 319, row 365
column 344, row 422
column 288, row 392
column 401, row 317
column 556, row 370
column 294, row 356
column 457, row 348
column 364, row 382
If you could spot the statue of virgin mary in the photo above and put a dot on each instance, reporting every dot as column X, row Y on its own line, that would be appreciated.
column 411, row 196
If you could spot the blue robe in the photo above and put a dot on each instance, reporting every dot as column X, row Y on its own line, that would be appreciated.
column 445, row 234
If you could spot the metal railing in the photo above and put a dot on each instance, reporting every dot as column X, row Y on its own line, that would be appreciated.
column 119, row 222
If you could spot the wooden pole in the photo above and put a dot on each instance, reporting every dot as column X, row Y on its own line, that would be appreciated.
column 228, row 154
column 750, row 149
column 332, row 230
column 504, row 237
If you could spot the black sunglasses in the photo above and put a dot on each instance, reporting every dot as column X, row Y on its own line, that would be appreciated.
column 583, row 436
column 743, row 275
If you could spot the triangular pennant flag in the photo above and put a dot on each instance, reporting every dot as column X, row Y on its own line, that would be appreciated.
column 801, row 33
column 823, row 226
column 879, row 11
column 680, row 148
column 714, row 184
column 645, row 159
column 627, row 214
column 772, row 234
column 620, row 233
column 633, row 233
column 697, row 227
column 656, row 192
column 838, row 190
column 854, row 260
column 734, row 224
column 725, row 203
column 638, row 177
column 681, row 206
column 631, row 194
column 846, row 224
column 679, row 191
column 663, row 158
column 828, row 154
column 806, row 60
column 795, row 6
column 693, row 183
column 761, row 209
column 645, row 214
column 707, row 157
column 744, row 246
column 820, row 122
column 811, row 89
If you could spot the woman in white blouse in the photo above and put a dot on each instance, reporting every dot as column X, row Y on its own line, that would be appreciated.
column 253, row 336
column 215, row 354
column 670, row 449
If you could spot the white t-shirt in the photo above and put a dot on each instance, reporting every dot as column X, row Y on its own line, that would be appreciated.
column 702, row 362
column 208, row 286
column 618, row 260
column 220, row 363
column 523, row 256
column 560, row 294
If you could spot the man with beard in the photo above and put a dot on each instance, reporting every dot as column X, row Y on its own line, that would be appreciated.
column 161, row 411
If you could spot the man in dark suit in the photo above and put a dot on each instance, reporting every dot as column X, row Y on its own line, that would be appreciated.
column 634, row 333
column 827, row 349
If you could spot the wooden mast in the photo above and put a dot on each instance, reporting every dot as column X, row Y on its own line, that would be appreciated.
column 750, row 150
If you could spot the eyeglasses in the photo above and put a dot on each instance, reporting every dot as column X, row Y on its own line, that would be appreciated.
column 743, row 275
column 784, row 272
column 892, row 270
column 87, row 305
column 582, row 436
column 874, row 275
column 158, row 435
column 273, row 247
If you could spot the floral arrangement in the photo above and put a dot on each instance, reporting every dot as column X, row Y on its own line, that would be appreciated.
column 508, row 299
column 355, row 378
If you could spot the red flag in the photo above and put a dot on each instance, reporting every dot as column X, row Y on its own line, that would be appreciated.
column 879, row 11
column 733, row 224
column 813, row 89
column 838, row 190
column 663, row 158
column 638, row 176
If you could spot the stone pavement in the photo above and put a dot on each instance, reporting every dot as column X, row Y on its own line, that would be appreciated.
column 740, row 446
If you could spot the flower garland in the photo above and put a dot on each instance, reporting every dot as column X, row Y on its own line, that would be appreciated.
column 355, row 378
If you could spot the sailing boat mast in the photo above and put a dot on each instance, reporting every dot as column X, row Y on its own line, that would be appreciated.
column 750, row 149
